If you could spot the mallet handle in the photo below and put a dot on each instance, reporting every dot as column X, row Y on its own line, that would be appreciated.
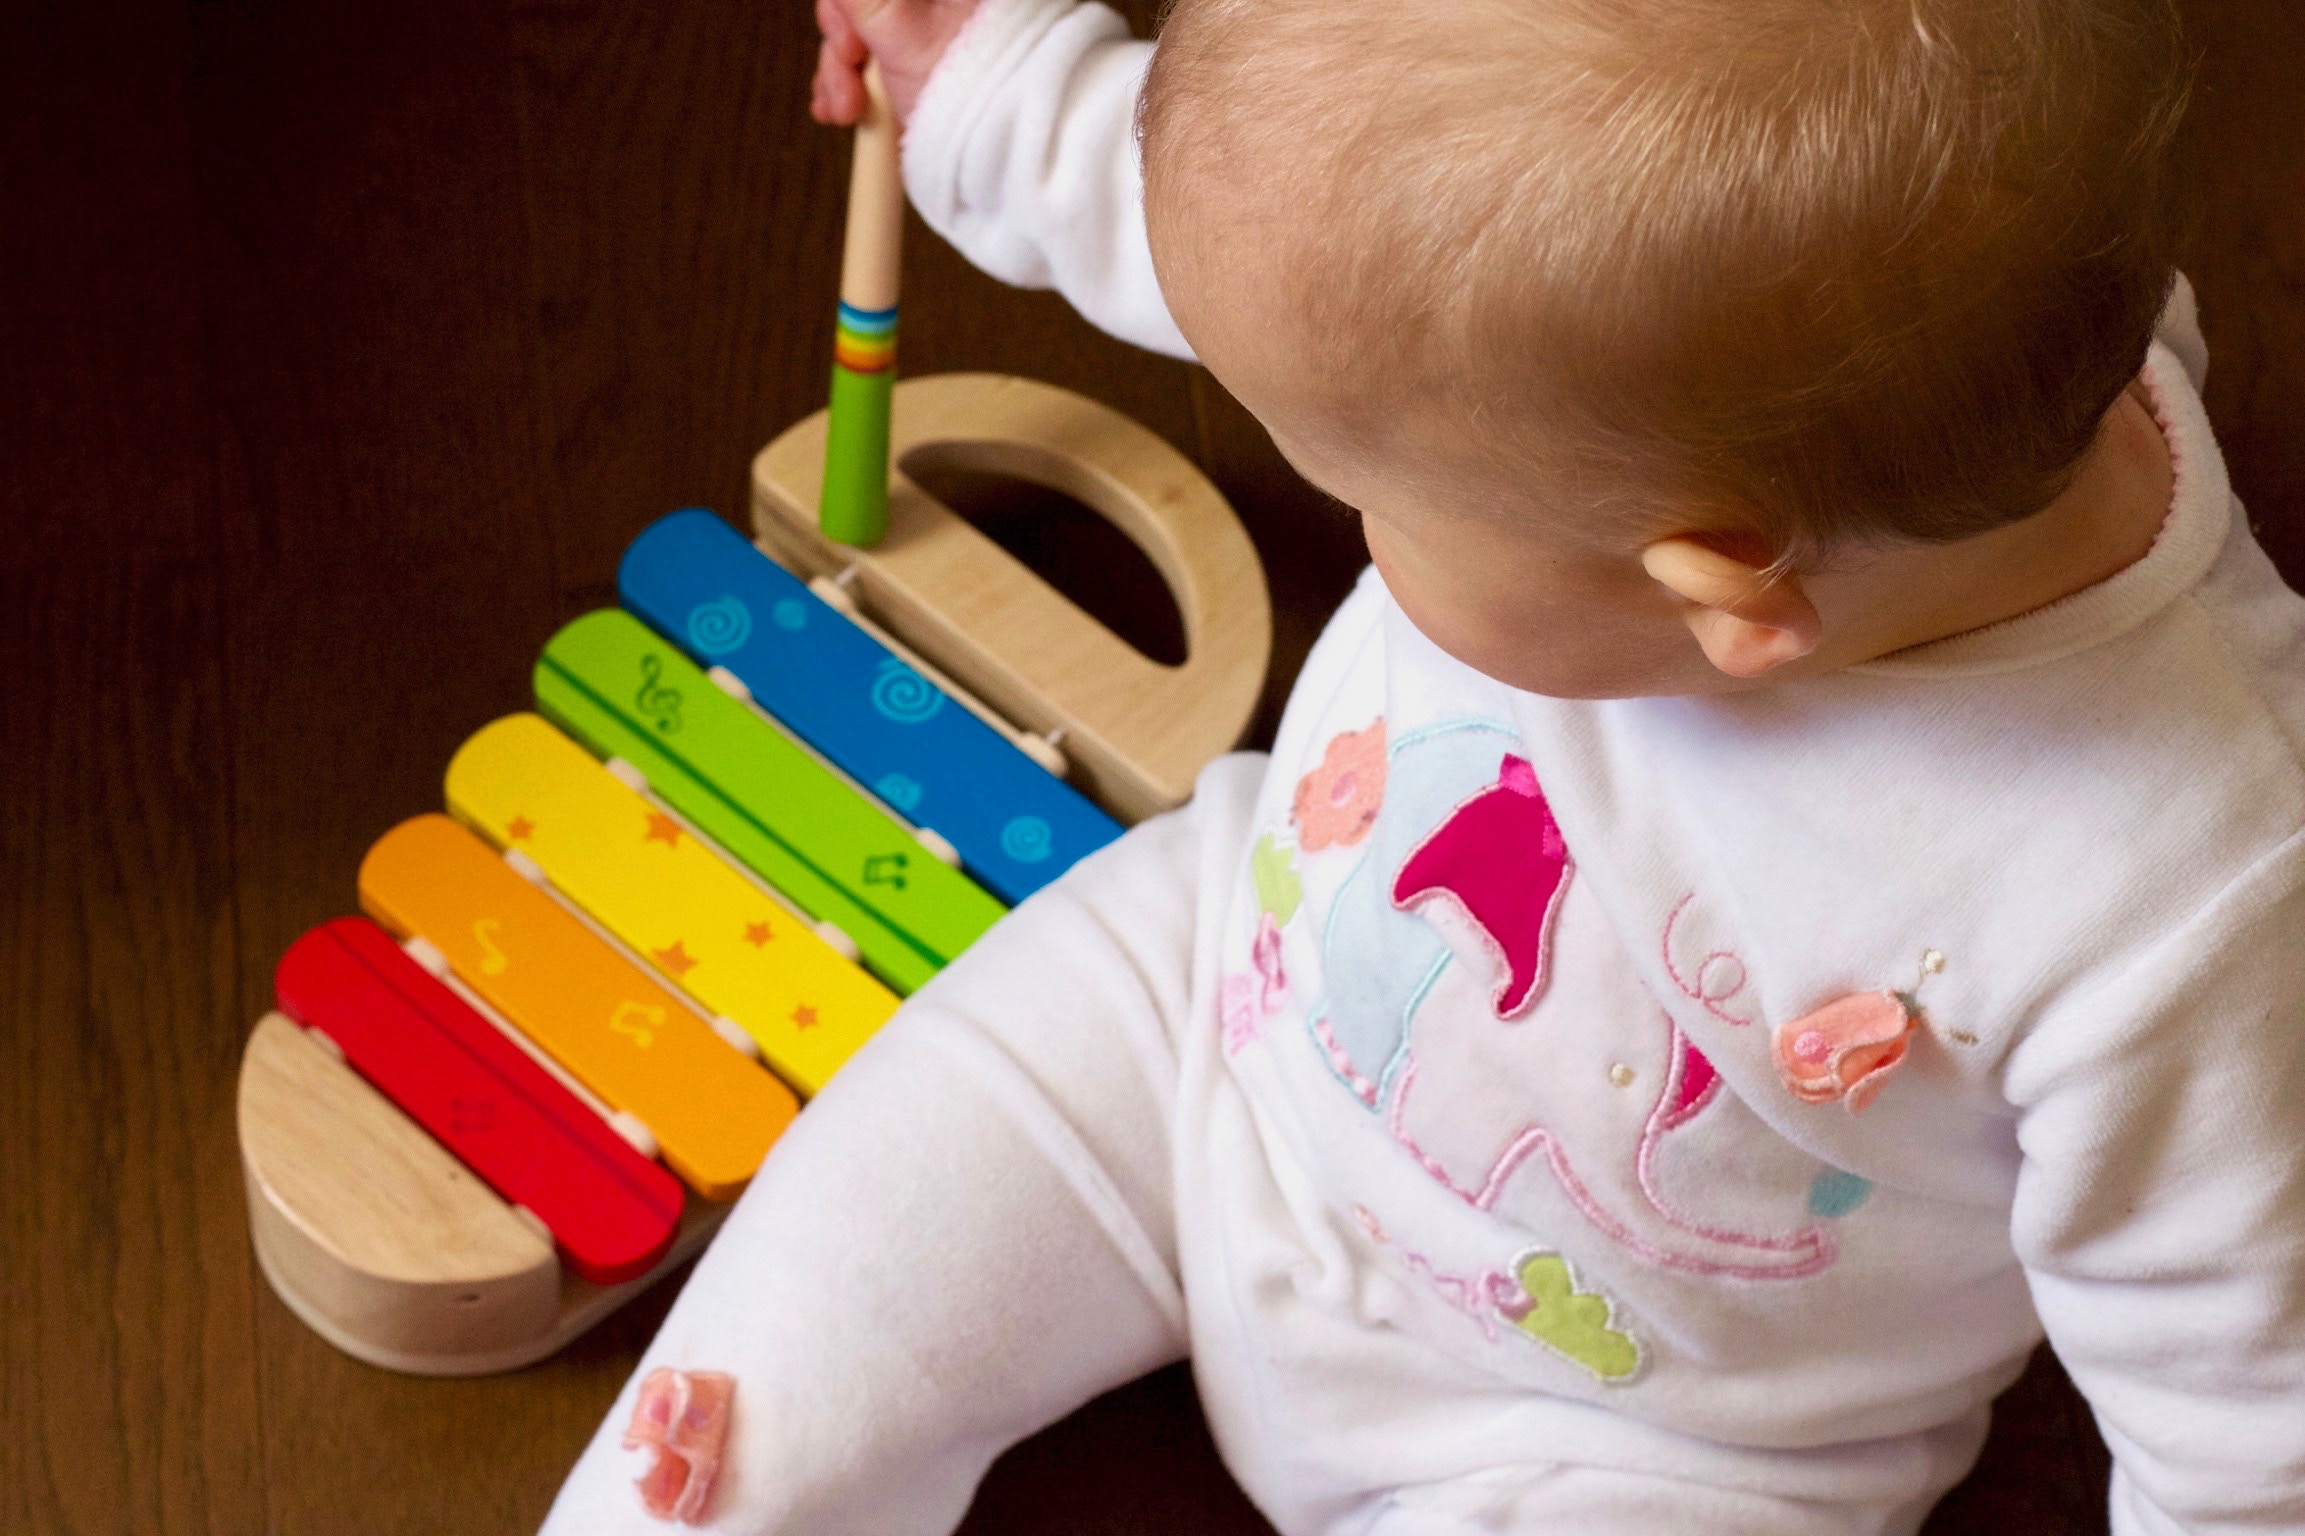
column 874, row 251
column 853, row 508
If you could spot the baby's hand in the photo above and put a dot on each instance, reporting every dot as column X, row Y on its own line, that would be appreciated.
column 906, row 36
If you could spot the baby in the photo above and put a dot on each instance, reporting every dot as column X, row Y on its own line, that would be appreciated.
column 1786, row 880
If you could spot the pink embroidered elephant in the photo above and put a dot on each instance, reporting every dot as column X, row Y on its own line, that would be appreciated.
column 1485, row 1009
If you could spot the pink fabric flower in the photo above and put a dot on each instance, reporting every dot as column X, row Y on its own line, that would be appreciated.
column 1846, row 1050
column 682, row 1416
column 1337, row 802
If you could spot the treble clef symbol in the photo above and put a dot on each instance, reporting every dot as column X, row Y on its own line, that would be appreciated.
column 657, row 702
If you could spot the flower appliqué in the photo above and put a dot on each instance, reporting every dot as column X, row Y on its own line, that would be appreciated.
column 1845, row 1051
column 681, row 1418
column 1338, row 801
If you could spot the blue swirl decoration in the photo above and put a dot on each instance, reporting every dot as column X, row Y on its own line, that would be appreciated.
column 899, row 791
column 1026, row 839
column 903, row 695
column 790, row 615
column 719, row 626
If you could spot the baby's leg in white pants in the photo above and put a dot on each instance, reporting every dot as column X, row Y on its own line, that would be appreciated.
column 964, row 1237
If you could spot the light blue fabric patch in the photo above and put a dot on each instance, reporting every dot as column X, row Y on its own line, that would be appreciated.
column 1834, row 1194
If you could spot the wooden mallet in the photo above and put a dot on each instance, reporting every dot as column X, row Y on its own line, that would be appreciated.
column 853, row 507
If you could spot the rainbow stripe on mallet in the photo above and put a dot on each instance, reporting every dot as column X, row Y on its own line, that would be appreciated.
column 865, row 340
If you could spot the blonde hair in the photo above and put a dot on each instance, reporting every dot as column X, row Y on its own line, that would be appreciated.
column 1840, row 269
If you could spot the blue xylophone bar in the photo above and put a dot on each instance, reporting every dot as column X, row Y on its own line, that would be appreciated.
column 1015, row 825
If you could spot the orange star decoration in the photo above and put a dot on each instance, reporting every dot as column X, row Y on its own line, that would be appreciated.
column 677, row 961
column 662, row 829
column 520, row 829
column 757, row 934
column 804, row 1017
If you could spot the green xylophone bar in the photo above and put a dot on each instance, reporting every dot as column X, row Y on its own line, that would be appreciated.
column 625, row 693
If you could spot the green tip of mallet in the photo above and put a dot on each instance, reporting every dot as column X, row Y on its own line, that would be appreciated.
column 853, row 507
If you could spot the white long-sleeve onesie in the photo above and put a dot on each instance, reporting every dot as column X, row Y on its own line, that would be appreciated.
column 1426, row 1083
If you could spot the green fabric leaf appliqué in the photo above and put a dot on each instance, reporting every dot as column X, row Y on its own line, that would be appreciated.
column 1572, row 1323
column 1274, row 868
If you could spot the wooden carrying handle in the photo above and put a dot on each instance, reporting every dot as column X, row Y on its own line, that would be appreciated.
column 1137, row 731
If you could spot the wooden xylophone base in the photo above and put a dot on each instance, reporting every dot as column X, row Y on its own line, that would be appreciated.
column 364, row 1220
column 386, row 1246
column 581, row 1305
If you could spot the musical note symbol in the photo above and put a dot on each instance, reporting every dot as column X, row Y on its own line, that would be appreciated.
column 492, row 959
column 885, row 869
column 637, row 1022
column 657, row 702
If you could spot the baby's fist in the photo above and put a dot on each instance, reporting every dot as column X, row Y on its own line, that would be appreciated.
column 906, row 36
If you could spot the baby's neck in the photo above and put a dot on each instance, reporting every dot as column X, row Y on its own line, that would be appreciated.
column 2104, row 522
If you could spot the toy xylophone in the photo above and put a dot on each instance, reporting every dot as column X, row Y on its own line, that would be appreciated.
column 744, row 820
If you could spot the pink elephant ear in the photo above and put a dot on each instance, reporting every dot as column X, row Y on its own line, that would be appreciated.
column 1845, row 1050
column 1500, row 860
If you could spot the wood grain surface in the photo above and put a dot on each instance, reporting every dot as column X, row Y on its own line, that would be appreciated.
column 342, row 349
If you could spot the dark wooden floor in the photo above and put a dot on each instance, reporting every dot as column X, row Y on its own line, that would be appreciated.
column 342, row 348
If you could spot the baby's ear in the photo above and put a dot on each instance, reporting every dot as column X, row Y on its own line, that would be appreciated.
column 1748, row 621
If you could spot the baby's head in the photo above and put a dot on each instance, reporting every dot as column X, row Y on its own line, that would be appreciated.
column 1535, row 284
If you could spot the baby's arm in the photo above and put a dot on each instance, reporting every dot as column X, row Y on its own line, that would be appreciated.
column 1020, row 141
column 2161, row 1212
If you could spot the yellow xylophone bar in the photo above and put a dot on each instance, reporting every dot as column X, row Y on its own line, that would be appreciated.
column 645, row 877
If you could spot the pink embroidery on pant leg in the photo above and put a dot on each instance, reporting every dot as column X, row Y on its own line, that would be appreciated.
column 1500, row 859
column 1805, row 1252
column 1720, row 975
